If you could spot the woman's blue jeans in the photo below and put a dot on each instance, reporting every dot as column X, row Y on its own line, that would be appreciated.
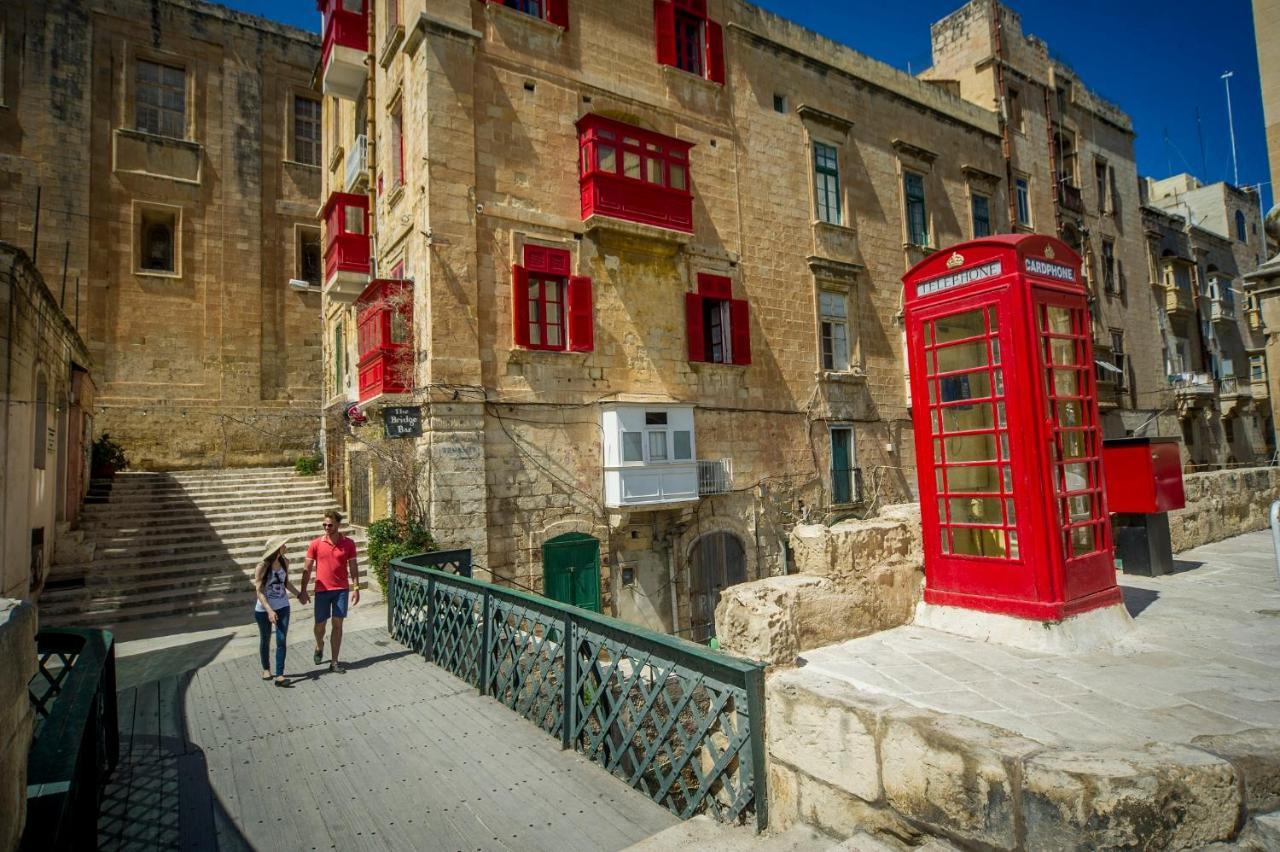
column 264, row 639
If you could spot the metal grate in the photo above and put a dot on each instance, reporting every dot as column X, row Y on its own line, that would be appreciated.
column 674, row 720
column 715, row 476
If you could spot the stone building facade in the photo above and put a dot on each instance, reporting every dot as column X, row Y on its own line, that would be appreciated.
column 1204, row 240
column 639, row 268
column 1071, row 171
column 1266, row 31
column 791, row 403
column 46, row 426
column 167, row 154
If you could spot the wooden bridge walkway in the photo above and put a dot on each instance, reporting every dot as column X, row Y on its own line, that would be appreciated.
column 394, row 754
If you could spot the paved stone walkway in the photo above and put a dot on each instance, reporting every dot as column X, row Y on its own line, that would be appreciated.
column 1203, row 658
column 396, row 754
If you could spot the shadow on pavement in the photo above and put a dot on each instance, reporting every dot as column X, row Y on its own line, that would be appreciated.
column 1136, row 600
column 167, row 662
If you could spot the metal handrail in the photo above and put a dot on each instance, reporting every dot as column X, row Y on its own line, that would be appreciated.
column 624, row 696
column 77, row 744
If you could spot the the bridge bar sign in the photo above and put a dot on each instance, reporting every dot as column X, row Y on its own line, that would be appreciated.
column 402, row 421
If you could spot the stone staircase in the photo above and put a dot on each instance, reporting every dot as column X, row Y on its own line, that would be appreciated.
column 164, row 544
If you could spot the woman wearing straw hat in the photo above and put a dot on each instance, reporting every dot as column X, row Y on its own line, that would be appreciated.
column 271, row 580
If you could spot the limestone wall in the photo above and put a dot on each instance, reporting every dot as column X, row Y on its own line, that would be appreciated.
column 17, row 649
column 1222, row 504
column 853, row 578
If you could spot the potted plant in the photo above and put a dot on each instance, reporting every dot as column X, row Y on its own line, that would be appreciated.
column 108, row 457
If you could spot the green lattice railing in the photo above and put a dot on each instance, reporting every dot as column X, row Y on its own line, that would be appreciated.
column 677, row 721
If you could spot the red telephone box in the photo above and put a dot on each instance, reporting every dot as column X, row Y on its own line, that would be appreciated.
column 1008, row 443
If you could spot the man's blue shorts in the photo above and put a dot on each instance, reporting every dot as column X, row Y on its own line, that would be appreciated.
column 331, row 604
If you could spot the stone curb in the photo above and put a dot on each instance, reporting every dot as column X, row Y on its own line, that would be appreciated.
column 843, row 760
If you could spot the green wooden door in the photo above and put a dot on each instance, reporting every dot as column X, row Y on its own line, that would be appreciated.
column 571, row 570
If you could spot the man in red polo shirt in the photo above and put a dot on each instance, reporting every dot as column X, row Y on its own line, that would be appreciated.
column 333, row 557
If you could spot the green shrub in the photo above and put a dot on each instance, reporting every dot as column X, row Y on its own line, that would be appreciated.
column 391, row 538
column 107, row 457
column 307, row 465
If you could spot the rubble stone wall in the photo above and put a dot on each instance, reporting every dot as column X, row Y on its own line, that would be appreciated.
column 17, row 649
column 1222, row 504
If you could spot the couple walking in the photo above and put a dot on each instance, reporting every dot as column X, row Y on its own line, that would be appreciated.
column 332, row 557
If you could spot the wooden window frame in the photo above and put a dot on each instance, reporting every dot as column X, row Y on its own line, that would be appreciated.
column 296, row 122
column 974, row 197
column 715, row 292
column 910, row 201
column 545, row 267
column 160, row 86
column 826, row 169
column 688, row 40
column 1022, row 201
column 826, row 319
column 555, row 12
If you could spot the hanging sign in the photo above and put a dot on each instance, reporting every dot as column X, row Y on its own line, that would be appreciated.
column 402, row 421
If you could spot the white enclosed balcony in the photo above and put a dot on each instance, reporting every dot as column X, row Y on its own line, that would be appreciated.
column 649, row 455
column 358, row 165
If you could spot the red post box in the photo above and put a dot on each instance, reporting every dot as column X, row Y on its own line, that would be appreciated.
column 1008, row 443
column 1143, row 475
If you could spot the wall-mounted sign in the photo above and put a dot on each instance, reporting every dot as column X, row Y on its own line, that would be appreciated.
column 402, row 421
column 1056, row 271
column 958, row 279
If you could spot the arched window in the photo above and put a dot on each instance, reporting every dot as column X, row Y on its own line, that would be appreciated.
column 41, row 419
column 1241, row 231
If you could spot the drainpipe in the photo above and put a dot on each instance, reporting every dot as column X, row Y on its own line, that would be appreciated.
column 671, row 584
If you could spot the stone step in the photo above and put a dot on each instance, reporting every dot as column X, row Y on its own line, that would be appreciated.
column 255, row 523
column 200, row 475
column 170, row 484
column 91, row 598
column 91, row 578
column 156, row 607
column 240, row 554
column 188, row 513
column 209, row 498
column 299, row 530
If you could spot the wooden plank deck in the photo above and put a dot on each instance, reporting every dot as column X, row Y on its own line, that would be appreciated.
column 395, row 754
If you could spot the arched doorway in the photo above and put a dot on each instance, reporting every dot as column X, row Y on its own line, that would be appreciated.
column 717, row 562
column 571, row 570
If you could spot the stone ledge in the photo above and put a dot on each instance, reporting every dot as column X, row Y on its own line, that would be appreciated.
column 845, row 760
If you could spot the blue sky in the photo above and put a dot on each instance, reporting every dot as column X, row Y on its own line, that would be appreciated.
column 1159, row 60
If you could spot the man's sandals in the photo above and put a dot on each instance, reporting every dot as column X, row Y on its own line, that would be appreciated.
column 337, row 667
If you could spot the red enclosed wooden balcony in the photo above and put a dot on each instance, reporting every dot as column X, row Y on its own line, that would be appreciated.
column 345, row 47
column 384, row 329
column 346, row 250
column 633, row 174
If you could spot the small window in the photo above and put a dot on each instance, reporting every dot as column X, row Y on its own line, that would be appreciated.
column 339, row 358
column 715, row 330
column 1109, row 278
column 1015, row 110
column 529, row 7
column 1257, row 368
column 160, row 99
column 780, row 104
column 1100, row 184
column 981, row 215
column 917, row 214
column 157, row 239
column 655, row 418
column 826, row 168
column 335, row 118
column 1241, row 230
column 632, row 447
column 690, row 46
column 306, row 130
column 546, row 312
column 309, row 265
column 834, row 321
column 393, row 15
column 1023, row 191
column 353, row 219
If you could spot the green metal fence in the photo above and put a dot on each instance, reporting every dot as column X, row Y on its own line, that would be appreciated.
column 77, row 738
column 677, row 721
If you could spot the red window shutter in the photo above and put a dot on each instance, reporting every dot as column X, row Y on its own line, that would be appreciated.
column 693, row 327
column 715, row 286
column 520, row 305
column 715, row 52
column 582, row 329
column 740, row 329
column 558, row 13
column 664, row 19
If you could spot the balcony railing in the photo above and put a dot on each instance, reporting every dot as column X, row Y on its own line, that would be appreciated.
column 77, row 739
column 1189, row 385
column 715, row 476
column 358, row 165
column 1222, row 310
column 1069, row 197
column 682, row 724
